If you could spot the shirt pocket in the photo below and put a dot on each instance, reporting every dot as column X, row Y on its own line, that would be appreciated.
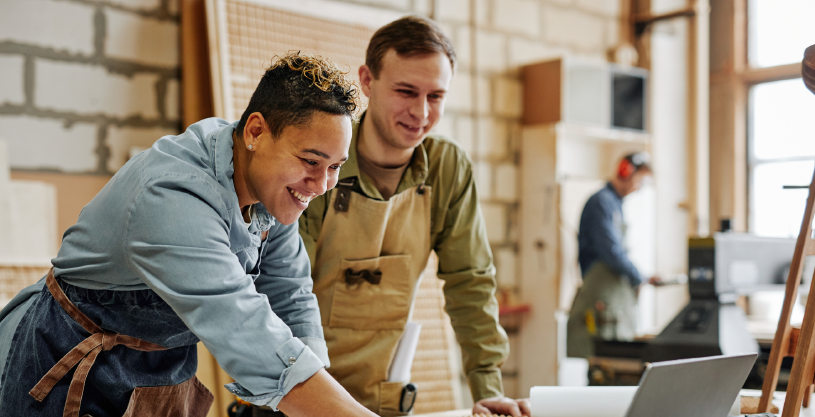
column 372, row 294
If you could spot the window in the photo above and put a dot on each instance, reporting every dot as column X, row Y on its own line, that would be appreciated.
column 781, row 140
column 779, row 31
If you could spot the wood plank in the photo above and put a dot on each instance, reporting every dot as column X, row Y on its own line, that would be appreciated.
column 196, row 81
column 781, row 72
column 782, row 334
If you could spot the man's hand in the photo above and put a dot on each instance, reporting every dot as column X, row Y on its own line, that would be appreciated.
column 656, row 281
column 503, row 405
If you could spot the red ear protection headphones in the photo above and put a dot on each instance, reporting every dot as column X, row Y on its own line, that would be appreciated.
column 625, row 169
column 631, row 163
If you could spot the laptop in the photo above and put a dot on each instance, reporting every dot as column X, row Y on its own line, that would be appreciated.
column 699, row 387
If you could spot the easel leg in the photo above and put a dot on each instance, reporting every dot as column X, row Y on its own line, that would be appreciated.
column 808, row 394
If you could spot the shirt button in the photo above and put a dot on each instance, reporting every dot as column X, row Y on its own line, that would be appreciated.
column 292, row 360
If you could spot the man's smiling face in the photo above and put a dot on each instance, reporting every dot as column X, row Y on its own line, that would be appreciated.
column 407, row 99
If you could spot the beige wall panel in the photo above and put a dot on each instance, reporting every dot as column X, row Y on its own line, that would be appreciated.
column 73, row 193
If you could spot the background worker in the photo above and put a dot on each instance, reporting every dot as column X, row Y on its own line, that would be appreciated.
column 605, row 305
column 193, row 239
column 402, row 194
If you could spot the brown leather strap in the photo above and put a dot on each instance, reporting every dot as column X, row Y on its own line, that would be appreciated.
column 84, row 354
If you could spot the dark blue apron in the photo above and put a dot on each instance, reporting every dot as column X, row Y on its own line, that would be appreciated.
column 138, row 356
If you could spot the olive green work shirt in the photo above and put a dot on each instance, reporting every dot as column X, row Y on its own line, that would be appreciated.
column 459, row 238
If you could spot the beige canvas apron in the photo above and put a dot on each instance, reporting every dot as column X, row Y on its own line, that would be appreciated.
column 369, row 260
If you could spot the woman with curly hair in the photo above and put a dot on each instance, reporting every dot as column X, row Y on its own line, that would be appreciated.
column 192, row 240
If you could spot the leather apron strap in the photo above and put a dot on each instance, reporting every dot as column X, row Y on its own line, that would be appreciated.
column 84, row 354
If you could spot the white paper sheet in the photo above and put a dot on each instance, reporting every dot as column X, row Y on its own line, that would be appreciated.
column 405, row 351
column 581, row 401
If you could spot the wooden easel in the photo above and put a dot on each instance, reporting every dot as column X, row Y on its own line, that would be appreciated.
column 800, row 385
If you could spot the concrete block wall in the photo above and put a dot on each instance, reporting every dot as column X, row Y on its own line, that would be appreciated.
column 84, row 81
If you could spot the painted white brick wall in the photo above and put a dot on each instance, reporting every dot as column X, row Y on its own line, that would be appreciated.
column 89, row 89
column 511, row 364
column 137, row 4
column 482, row 12
column 518, row 16
column 464, row 133
column 137, row 39
column 573, row 28
column 391, row 4
column 505, row 260
column 482, row 172
column 462, row 41
column 36, row 143
column 506, row 182
column 453, row 10
column 422, row 7
column 172, row 102
column 523, row 51
column 120, row 141
column 445, row 127
column 484, row 92
column 608, row 8
column 5, row 200
column 490, row 51
column 495, row 215
column 51, row 24
column 507, row 97
column 34, row 221
column 493, row 138
column 11, row 81
column 459, row 98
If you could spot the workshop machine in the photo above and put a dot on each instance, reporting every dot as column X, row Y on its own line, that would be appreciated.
column 721, row 268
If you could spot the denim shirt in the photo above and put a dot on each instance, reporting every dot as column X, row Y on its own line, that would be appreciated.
column 169, row 221
column 600, row 237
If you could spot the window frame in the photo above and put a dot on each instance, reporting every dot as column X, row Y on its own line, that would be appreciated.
column 731, row 78
column 751, row 77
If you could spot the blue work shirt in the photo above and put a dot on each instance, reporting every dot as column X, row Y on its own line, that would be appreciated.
column 169, row 221
column 600, row 237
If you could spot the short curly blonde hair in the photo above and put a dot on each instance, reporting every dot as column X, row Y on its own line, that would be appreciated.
column 295, row 86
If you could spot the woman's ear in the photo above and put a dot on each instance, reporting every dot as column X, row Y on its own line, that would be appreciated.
column 255, row 126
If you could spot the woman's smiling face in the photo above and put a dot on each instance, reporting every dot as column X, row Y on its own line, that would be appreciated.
column 303, row 162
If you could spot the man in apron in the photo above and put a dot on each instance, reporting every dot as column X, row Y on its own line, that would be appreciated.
column 193, row 239
column 402, row 194
column 605, row 305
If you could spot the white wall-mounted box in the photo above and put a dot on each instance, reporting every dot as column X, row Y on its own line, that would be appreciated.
column 585, row 92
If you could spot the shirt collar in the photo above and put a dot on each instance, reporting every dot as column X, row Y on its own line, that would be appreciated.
column 614, row 190
column 415, row 174
column 222, row 160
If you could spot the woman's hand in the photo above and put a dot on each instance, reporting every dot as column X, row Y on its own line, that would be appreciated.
column 321, row 395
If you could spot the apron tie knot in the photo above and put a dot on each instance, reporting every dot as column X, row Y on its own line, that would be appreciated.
column 109, row 340
column 82, row 355
column 353, row 278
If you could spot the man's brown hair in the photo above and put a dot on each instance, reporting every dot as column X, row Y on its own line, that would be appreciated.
column 408, row 36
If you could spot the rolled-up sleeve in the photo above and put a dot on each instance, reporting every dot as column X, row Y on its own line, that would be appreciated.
column 285, row 278
column 260, row 333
